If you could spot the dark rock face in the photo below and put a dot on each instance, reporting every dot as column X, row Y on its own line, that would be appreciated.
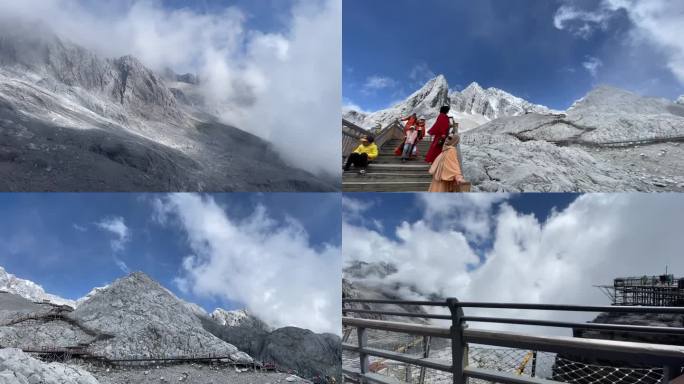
column 138, row 89
column 310, row 354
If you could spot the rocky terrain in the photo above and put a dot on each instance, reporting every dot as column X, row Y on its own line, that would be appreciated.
column 307, row 353
column 136, row 317
column 609, row 140
column 71, row 120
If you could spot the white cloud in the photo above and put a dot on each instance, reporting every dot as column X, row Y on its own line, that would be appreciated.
column 592, row 65
column 116, row 226
column 79, row 228
column 658, row 22
column 421, row 73
column 348, row 105
column 470, row 213
column 268, row 265
column 597, row 238
column 122, row 265
column 265, row 83
column 374, row 83
column 581, row 23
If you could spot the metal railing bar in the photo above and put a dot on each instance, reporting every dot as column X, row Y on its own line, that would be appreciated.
column 528, row 306
column 404, row 314
column 436, row 364
column 636, row 352
column 391, row 326
column 398, row 302
column 563, row 324
column 573, row 308
column 503, row 377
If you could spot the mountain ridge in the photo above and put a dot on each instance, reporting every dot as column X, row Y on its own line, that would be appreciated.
column 472, row 106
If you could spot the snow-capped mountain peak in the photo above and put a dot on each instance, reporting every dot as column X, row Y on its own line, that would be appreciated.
column 29, row 290
column 473, row 87
column 471, row 107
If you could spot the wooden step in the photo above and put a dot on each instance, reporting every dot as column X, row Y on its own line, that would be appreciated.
column 397, row 160
column 410, row 167
column 385, row 186
column 386, row 176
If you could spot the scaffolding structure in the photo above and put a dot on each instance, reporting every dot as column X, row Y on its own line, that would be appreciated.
column 658, row 291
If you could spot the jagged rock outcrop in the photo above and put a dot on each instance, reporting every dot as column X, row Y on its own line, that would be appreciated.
column 64, row 67
column 147, row 321
column 237, row 318
column 16, row 367
column 425, row 102
column 492, row 103
column 28, row 289
column 308, row 353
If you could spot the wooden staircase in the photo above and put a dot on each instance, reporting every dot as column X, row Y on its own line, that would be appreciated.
column 388, row 174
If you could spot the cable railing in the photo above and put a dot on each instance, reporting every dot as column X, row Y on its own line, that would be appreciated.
column 512, row 357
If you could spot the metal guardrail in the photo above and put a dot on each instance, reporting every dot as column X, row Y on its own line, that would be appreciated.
column 669, row 357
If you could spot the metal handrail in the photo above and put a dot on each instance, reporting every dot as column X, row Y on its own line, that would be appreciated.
column 669, row 357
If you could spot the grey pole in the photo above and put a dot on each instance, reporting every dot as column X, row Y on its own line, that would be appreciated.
column 459, row 349
column 363, row 357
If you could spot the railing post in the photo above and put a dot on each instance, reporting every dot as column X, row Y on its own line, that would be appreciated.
column 426, row 353
column 533, row 372
column 363, row 357
column 666, row 375
column 459, row 349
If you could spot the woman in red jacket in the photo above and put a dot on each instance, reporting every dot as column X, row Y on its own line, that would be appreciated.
column 439, row 132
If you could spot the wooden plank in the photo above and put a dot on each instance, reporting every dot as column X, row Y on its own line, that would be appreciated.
column 393, row 326
column 504, row 377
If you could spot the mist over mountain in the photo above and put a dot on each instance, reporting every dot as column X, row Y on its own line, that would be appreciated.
column 73, row 120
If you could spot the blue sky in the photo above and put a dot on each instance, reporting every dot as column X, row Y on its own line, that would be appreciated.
column 54, row 240
column 394, row 208
column 390, row 48
column 264, row 15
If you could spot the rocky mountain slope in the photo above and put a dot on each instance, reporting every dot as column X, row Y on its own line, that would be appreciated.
column 71, row 120
column 135, row 316
column 28, row 289
column 307, row 353
column 146, row 321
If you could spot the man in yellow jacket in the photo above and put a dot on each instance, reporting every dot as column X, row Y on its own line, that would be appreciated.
column 367, row 151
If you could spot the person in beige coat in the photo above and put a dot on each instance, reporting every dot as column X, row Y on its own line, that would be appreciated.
column 446, row 170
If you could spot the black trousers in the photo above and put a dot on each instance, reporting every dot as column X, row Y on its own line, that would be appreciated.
column 359, row 160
